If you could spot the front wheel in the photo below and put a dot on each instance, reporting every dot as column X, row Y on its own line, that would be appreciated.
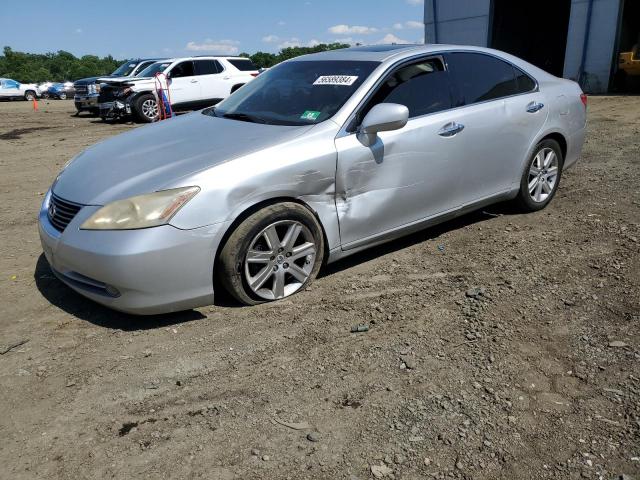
column 62, row 96
column 146, row 108
column 29, row 95
column 541, row 177
column 272, row 254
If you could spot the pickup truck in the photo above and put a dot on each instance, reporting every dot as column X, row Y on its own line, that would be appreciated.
column 10, row 90
column 87, row 90
column 193, row 82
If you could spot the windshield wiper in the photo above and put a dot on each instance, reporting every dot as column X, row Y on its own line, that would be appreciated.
column 244, row 117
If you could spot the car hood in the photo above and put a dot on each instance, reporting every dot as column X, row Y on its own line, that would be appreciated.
column 157, row 156
column 121, row 80
column 87, row 81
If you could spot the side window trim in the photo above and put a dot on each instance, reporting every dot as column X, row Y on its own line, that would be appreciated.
column 515, row 68
column 217, row 65
column 348, row 127
column 193, row 68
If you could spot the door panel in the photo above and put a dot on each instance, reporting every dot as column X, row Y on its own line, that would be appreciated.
column 498, row 126
column 487, row 155
column 184, row 84
column 214, row 81
column 522, row 129
column 407, row 175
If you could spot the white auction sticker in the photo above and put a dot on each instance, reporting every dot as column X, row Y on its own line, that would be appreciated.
column 345, row 80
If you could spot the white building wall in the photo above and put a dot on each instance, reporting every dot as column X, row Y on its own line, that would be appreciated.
column 600, row 49
column 461, row 22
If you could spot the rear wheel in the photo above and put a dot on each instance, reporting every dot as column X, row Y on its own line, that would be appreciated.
column 62, row 96
column 145, row 108
column 29, row 95
column 541, row 177
column 272, row 254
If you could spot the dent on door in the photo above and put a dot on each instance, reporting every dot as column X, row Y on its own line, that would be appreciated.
column 400, row 179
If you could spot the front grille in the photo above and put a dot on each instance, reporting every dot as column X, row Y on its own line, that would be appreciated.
column 81, row 89
column 108, row 94
column 61, row 212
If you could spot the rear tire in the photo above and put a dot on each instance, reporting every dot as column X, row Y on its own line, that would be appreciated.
column 272, row 254
column 29, row 95
column 541, row 177
column 145, row 108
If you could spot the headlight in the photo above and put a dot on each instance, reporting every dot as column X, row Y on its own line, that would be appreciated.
column 142, row 211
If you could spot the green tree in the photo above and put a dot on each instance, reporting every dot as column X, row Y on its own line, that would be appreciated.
column 54, row 66
column 61, row 66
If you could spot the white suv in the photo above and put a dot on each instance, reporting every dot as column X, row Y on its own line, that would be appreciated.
column 194, row 82
column 10, row 89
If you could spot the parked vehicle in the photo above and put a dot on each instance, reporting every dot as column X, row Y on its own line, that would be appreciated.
column 629, row 68
column 320, row 157
column 193, row 82
column 60, row 91
column 12, row 90
column 87, row 90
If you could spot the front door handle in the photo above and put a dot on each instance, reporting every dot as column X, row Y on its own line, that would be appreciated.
column 451, row 129
column 227, row 77
column 194, row 81
column 534, row 107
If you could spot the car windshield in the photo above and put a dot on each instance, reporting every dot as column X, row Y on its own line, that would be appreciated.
column 154, row 68
column 124, row 69
column 296, row 93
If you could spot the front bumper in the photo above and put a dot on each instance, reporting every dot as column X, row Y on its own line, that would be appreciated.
column 86, row 102
column 114, row 109
column 147, row 271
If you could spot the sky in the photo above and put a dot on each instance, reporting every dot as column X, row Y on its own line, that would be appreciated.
column 143, row 28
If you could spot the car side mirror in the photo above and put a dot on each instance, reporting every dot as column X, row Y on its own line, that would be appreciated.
column 383, row 117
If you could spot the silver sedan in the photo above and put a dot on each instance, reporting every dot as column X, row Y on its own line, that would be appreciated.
column 319, row 157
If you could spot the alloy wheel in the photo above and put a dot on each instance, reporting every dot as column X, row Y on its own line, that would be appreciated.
column 280, row 259
column 150, row 108
column 543, row 175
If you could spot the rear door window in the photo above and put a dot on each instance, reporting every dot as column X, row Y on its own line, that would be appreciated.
column 524, row 82
column 479, row 77
column 423, row 87
column 242, row 64
column 183, row 69
column 207, row 67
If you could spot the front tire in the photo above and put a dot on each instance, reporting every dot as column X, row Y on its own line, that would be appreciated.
column 272, row 254
column 145, row 108
column 29, row 95
column 540, row 180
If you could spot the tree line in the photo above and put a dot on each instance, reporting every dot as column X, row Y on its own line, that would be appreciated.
column 63, row 66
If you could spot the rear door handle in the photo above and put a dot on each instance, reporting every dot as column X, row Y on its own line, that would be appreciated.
column 451, row 129
column 227, row 77
column 534, row 107
column 194, row 81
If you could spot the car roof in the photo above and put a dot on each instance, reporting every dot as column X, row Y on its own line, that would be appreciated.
column 394, row 52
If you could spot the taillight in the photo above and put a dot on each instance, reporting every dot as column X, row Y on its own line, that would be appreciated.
column 583, row 98
column 254, row 74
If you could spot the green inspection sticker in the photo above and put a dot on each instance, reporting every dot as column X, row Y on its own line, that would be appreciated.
column 310, row 115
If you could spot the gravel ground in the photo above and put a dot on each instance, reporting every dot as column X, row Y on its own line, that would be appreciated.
column 501, row 345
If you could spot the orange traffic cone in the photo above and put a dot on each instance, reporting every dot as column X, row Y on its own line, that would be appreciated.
column 35, row 104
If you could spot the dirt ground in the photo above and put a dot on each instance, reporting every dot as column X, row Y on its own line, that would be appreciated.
column 501, row 345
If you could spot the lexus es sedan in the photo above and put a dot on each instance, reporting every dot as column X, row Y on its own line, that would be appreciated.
column 317, row 158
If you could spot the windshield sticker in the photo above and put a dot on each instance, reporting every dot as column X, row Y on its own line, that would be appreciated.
column 345, row 80
column 310, row 115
